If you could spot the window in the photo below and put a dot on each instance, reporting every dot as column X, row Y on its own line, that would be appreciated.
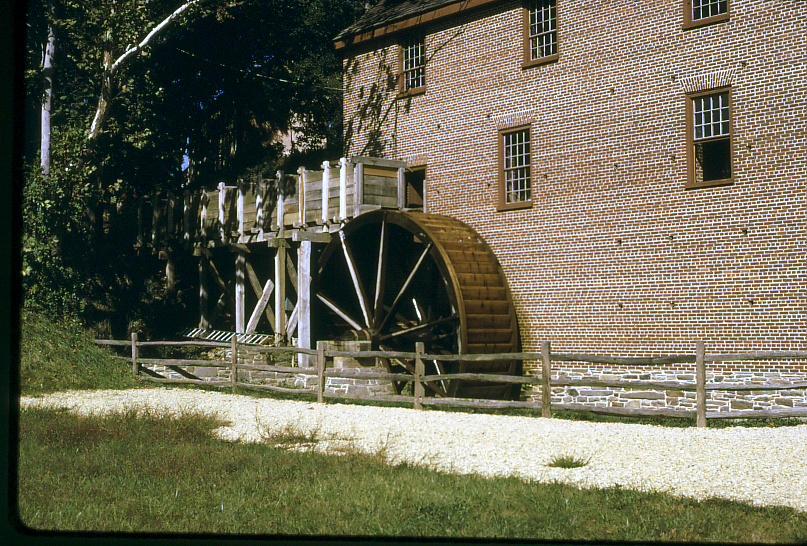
column 415, row 187
column 709, row 140
column 413, row 66
column 514, row 168
column 540, row 32
column 703, row 12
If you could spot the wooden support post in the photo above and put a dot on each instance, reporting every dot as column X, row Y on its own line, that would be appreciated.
column 401, row 188
column 302, row 179
column 304, row 302
column 203, row 202
column 320, row 371
column 546, row 376
column 240, row 208
column 240, row 304
column 222, row 219
column 259, row 213
column 343, row 167
column 135, row 366
column 425, row 192
column 234, row 361
column 700, row 384
column 326, row 191
column 204, row 321
column 280, row 293
column 419, row 373
column 281, row 204
column 358, row 189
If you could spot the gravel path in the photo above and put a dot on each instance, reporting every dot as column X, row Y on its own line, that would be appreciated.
column 762, row 466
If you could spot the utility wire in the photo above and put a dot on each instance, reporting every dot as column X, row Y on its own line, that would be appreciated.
column 256, row 74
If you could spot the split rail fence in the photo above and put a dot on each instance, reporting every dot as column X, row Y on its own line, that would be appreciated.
column 419, row 378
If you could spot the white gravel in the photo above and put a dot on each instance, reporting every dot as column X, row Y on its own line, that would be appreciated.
column 761, row 466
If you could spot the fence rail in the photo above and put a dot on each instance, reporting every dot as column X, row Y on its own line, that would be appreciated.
column 419, row 379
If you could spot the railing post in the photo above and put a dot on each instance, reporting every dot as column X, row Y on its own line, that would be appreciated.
column 135, row 366
column 546, row 375
column 401, row 188
column 240, row 207
column 320, row 371
column 281, row 204
column 326, row 190
column 700, row 383
column 222, row 219
column 343, row 166
column 234, row 361
column 302, row 181
column 358, row 189
column 419, row 373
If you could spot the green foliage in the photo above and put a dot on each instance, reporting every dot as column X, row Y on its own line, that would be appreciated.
column 214, row 88
column 57, row 354
column 152, row 473
column 567, row 461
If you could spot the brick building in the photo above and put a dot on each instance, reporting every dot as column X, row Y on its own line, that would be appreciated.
column 639, row 168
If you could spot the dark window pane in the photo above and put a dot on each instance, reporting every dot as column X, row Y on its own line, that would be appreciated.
column 714, row 159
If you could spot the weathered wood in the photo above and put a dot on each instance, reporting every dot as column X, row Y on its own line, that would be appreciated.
column 146, row 371
column 380, row 278
column 260, row 307
column 483, row 357
column 401, row 187
column 358, row 191
column 358, row 373
column 302, row 178
column 135, row 365
column 339, row 311
column 343, row 176
column 280, row 293
column 756, row 355
column 623, row 361
column 282, row 349
column 240, row 213
column 478, row 403
column 483, row 378
column 195, row 343
column 274, row 388
column 758, row 414
column 204, row 320
column 167, row 380
column 117, row 342
column 234, row 361
column 396, row 398
column 358, row 285
column 378, row 161
column 290, row 370
column 222, row 219
column 321, row 364
column 240, row 302
column 419, row 373
column 546, row 375
column 303, row 307
column 311, row 236
column 293, row 318
column 624, row 383
column 753, row 387
column 632, row 412
column 199, row 363
column 170, row 274
column 700, row 382
column 325, row 191
column 376, row 354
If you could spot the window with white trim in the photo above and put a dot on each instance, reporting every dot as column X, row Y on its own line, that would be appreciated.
column 413, row 64
column 710, row 138
column 542, row 29
column 515, row 187
column 704, row 9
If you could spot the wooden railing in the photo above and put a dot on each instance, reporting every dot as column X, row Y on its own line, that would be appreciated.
column 419, row 378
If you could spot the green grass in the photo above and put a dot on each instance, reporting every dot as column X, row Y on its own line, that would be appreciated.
column 150, row 473
column 57, row 354
column 567, row 461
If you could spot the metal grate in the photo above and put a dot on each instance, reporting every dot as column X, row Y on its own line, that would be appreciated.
column 543, row 29
column 516, row 164
column 414, row 64
column 224, row 336
column 703, row 9
column 711, row 116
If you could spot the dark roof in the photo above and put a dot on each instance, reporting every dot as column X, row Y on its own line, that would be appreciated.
column 389, row 11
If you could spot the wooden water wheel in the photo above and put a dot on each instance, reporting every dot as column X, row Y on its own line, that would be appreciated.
column 393, row 278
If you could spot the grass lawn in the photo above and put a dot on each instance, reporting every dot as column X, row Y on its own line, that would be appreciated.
column 146, row 473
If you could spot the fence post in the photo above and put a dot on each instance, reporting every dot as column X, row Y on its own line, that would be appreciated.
column 135, row 366
column 546, row 375
column 320, row 371
column 234, row 361
column 419, row 373
column 700, row 384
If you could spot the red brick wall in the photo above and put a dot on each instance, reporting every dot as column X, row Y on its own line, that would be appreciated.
column 615, row 256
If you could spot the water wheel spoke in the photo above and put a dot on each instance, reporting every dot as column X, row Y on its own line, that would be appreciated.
column 419, row 328
column 342, row 314
column 399, row 297
column 354, row 275
column 381, row 273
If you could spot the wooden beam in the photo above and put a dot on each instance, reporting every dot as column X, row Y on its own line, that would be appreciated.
column 377, row 161
column 280, row 293
column 326, row 187
column 313, row 236
column 303, row 307
column 292, row 271
column 358, row 189
column 292, row 324
column 260, row 307
column 401, row 188
column 240, row 303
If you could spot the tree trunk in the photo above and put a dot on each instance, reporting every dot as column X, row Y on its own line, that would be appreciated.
column 47, row 101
